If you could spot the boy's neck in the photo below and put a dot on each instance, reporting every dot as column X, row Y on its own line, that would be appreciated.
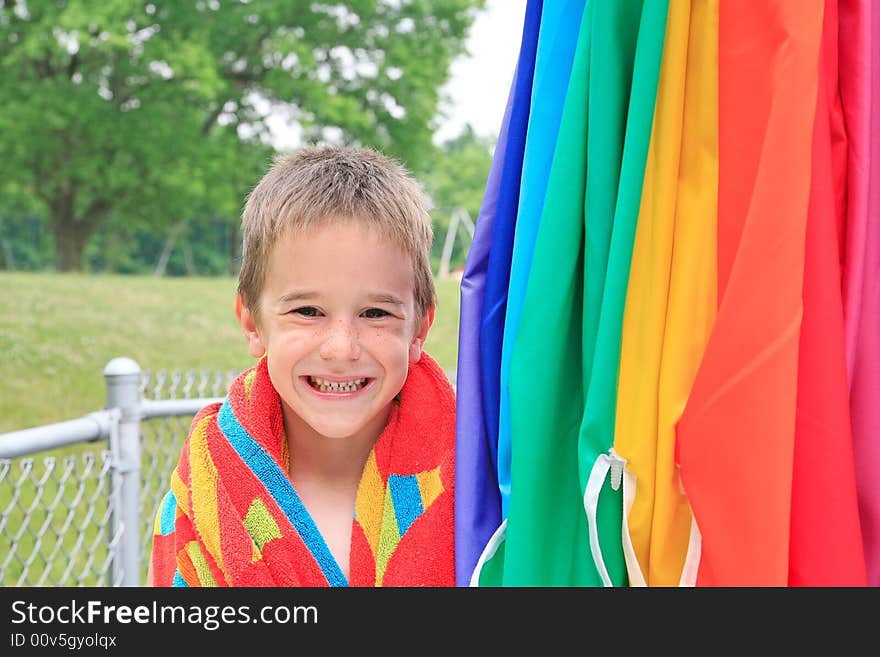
column 332, row 461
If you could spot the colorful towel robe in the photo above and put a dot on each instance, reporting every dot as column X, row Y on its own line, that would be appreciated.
column 233, row 518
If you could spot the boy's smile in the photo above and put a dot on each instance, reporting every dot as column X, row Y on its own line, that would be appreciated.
column 335, row 388
column 338, row 326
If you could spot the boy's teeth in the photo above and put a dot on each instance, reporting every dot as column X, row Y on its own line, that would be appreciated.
column 337, row 386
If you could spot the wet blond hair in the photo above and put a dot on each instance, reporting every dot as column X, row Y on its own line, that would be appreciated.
column 319, row 185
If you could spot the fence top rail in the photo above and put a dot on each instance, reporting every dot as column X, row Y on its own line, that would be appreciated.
column 174, row 407
column 94, row 426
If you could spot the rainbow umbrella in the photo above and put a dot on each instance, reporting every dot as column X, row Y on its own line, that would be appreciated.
column 678, row 353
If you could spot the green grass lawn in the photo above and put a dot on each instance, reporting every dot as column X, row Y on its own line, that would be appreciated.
column 57, row 332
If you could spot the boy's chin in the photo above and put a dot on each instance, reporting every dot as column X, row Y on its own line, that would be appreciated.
column 337, row 432
column 340, row 432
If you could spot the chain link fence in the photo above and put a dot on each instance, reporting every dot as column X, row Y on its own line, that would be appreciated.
column 55, row 522
column 78, row 498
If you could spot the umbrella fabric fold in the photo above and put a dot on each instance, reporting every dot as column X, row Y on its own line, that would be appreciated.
column 675, row 226
column 491, row 324
column 675, row 540
column 826, row 540
column 644, row 317
column 856, row 96
column 735, row 439
column 556, row 44
column 477, row 503
column 863, row 326
column 546, row 535
column 626, row 52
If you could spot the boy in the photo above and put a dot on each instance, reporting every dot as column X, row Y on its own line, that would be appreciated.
column 330, row 461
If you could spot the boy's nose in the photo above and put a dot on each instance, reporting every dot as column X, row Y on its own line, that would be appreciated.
column 341, row 343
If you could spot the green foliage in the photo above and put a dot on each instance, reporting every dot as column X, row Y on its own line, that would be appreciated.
column 457, row 179
column 24, row 243
column 127, row 111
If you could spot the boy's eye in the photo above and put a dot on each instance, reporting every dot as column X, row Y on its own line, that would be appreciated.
column 307, row 311
column 375, row 313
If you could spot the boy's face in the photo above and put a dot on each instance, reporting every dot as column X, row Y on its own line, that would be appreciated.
column 337, row 322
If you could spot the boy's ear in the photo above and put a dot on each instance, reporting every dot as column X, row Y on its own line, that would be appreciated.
column 418, row 341
column 246, row 319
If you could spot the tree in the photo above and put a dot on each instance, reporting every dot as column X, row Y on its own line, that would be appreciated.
column 153, row 110
column 457, row 179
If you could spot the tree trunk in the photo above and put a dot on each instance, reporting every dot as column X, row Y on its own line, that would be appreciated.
column 70, row 237
column 70, row 243
column 71, row 233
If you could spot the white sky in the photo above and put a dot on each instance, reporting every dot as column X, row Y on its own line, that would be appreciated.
column 480, row 81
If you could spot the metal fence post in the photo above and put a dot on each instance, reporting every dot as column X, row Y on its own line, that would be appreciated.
column 122, row 376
